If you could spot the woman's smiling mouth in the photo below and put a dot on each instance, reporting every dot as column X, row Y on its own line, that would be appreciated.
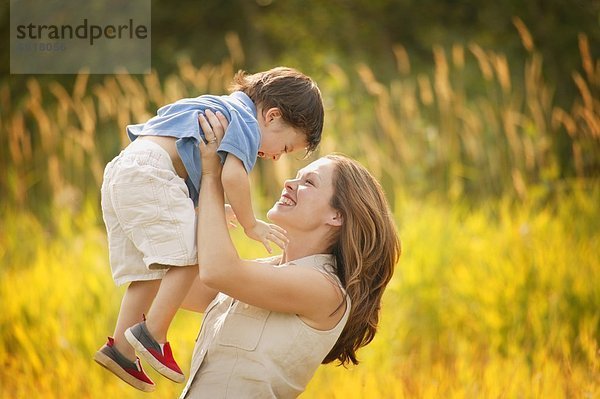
column 285, row 200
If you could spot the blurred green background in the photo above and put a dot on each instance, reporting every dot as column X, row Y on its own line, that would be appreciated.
column 481, row 119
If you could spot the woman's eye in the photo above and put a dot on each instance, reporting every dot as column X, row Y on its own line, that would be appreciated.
column 308, row 181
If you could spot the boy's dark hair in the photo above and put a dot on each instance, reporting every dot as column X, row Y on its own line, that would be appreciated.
column 295, row 94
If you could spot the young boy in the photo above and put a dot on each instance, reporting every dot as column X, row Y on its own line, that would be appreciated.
column 150, row 191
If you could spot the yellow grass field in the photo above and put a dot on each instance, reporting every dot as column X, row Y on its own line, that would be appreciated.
column 501, row 302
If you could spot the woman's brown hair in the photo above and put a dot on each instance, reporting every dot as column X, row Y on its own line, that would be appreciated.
column 296, row 95
column 366, row 249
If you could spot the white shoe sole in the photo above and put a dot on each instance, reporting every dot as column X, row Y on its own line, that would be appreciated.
column 114, row 368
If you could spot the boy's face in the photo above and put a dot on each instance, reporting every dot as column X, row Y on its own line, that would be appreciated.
column 278, row 137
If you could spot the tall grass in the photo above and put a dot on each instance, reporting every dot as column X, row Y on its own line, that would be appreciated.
column 494, row 187
column 473, row 127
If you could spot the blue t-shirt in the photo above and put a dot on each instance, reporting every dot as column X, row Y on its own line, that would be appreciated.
column 180, row 120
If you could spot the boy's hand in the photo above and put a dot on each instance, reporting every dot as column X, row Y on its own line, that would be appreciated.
column 265, row 232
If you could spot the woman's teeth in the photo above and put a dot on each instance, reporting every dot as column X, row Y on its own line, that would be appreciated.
column 286, row 201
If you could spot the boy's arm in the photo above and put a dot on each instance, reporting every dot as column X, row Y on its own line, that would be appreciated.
column 237, row 188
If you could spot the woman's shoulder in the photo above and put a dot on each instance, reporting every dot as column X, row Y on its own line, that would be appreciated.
column 324, row 263
column 321, row 261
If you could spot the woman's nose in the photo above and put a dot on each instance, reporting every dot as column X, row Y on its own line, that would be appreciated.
column 291, row 184
column 276, row 157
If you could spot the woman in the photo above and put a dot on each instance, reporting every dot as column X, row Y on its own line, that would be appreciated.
column 273, row 322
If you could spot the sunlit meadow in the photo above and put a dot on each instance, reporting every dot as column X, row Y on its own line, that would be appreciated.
column 497, row 291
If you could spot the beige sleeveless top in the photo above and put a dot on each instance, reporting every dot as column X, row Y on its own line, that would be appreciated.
column 247, row 352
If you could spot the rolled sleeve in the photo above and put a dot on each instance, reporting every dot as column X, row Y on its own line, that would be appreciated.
column 242, row 139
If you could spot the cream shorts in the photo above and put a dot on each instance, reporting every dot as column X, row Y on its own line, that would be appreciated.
column 150, row 219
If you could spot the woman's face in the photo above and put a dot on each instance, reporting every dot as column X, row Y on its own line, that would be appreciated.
column 305, row 200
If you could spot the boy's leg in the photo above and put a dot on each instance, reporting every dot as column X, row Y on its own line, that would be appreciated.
column 149, row 338
column 136, row 302
column 173, row 289
column 117, row 355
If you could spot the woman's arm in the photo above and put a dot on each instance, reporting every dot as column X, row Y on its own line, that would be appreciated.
column 303, row 291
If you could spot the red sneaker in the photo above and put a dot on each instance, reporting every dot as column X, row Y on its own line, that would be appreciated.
column 160, row 357
column 131, row 372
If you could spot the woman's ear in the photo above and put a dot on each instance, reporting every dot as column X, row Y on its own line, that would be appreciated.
column 336, row 220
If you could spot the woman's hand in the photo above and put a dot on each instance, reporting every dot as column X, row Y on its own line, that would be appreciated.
column 214, row 126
